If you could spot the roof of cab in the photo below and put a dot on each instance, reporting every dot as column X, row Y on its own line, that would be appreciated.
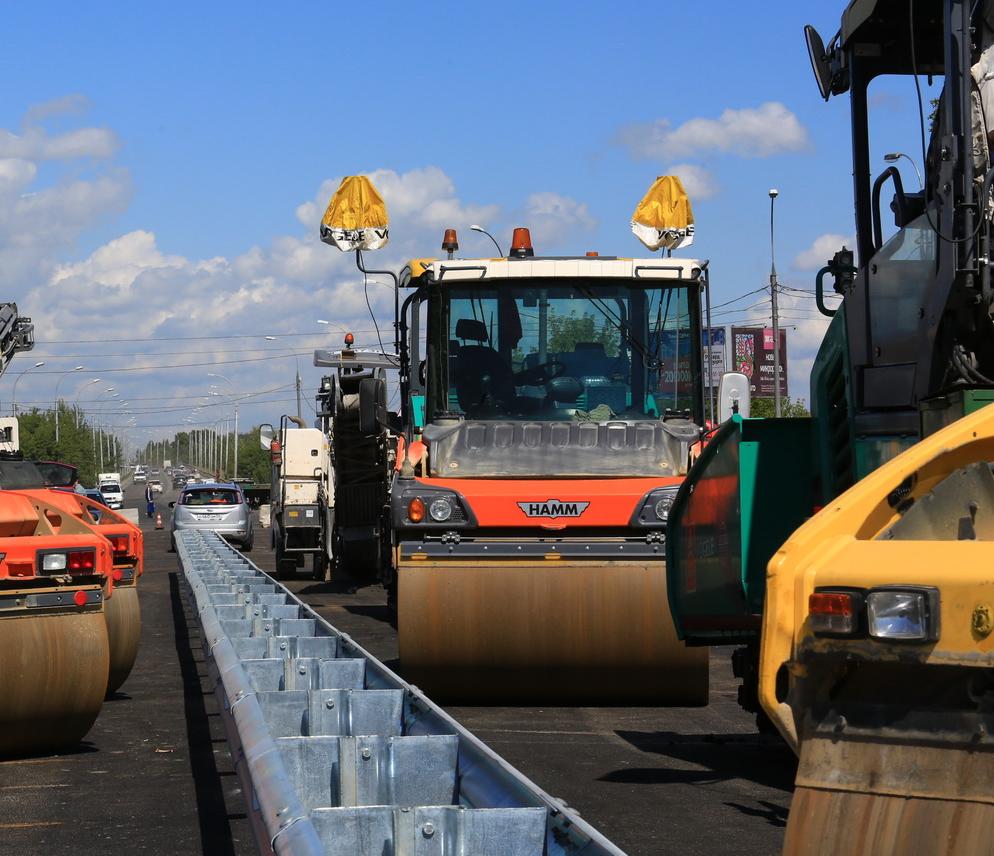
column 606, row 267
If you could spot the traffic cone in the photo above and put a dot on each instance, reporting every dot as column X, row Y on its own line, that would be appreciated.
column 158, row 520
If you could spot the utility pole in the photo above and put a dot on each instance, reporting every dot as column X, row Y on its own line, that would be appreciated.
column 300, row 414
column 776, row 318
column 234, row 473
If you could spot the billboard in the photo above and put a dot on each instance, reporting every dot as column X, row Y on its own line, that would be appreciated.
column 752, row 354
column 674, row 353
column 714, row 357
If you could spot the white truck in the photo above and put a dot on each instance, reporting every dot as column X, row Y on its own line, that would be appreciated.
column 109, row 485
column 302, row 495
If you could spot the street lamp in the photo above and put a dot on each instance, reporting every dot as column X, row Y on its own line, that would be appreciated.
column 57, row 385
column 893, row 157
column 774, row 287
column 13, row 402
column 476, row 228
column 79, row 393
column 234, row 470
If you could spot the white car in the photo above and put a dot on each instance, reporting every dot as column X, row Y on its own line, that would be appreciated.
column 112, row 494
column 156, row 486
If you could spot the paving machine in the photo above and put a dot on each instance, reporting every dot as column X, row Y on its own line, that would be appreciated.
column 352, row 413
column 849, row 552
column 300, row 493
column 549, row 409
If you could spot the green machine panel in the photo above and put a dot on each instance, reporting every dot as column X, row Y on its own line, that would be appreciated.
column 751, row 487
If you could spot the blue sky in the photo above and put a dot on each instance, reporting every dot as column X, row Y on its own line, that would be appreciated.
column 221, row 121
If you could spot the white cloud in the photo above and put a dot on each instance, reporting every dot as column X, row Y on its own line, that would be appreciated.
column 36, row 144
column 132, row 288
column 749, row 132
column 821, row 250
column 552, row 218
column 65, row 105
column 699, row 183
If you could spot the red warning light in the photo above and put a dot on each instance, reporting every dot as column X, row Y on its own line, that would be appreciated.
column 592, row 254
column 79, row 598
column 521, row 243
column 349, row 340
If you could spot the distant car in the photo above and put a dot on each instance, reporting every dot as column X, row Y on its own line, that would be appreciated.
column 219, row 507
column 140, row 477
column 156, row 486
column 112, row 494
column 179, row 482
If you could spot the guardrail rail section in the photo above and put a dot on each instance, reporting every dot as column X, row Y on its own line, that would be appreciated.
column 336, row 754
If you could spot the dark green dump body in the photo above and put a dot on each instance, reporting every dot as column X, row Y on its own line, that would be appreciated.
column 751, row 487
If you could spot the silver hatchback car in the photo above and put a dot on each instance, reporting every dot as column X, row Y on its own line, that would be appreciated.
column 219, row 507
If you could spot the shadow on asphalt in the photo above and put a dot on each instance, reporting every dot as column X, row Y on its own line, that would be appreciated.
column 117, row 696
column 377, row 612
column 215, row 837
column 752, row 757
column 775, row 815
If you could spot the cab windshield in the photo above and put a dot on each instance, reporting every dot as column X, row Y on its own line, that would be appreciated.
column 582, row 350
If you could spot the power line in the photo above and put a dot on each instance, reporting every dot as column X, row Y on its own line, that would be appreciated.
column 102, row 370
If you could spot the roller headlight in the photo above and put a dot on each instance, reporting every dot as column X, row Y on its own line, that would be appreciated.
column 663, row 506
column 440, row 509
column 54, row 562
column 903, row 615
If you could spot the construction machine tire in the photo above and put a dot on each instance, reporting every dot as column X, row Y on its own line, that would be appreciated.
column 53, row 675
column 124, row 624
column 319, row 567
column 564, row 632
column 361, row 560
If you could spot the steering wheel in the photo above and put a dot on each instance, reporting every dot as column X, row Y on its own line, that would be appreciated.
column 540, row 374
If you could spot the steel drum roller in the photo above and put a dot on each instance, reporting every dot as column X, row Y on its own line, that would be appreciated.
column 556, row 631
column 124, row 626
column 53, row 675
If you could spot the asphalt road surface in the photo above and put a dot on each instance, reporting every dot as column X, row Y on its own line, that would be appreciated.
column 154, row 775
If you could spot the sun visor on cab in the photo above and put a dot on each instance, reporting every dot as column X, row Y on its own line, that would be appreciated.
column 663, row 220
column 356, row 217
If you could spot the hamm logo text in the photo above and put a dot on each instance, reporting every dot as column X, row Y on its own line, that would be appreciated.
column 553, row 508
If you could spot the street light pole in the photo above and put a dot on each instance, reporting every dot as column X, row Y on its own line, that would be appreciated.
column 13, row 396
column 476, row 228
column 892, row 157
column 57, row 385
column 774, row 287
column 234, row 472
column 79, row 393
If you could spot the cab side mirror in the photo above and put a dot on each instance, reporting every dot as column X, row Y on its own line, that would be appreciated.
column 733, row 396
column 266, row 434
column 819, row 61
column 172, row 504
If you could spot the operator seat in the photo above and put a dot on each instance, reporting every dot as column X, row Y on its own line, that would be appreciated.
column 483, row 380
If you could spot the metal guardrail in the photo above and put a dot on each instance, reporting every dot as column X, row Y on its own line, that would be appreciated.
column 336, row 753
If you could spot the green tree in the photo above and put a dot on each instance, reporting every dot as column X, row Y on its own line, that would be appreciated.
column 78, row 443
column 764, row 408
column 566, row 330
